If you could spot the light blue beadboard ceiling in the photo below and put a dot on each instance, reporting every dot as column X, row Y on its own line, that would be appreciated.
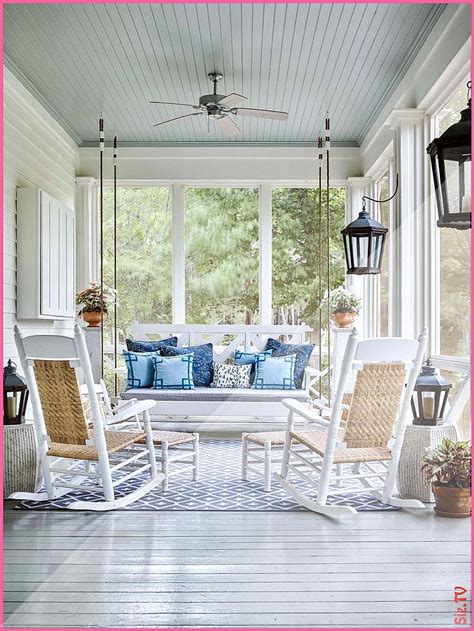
column 82, row 60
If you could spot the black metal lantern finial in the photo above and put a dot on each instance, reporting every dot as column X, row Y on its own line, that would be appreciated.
column 364, row 240
column 15, row 395
column 451, row 168
column 429, row 396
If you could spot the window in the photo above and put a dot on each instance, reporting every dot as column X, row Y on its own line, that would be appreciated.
column 384, row 209
column 222, row 255
column 454, row 262
column 295, row 263
column 143, row 256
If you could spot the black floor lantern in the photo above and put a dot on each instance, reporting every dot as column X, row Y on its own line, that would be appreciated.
column 364, row 240
column 15, row 396
column 429, row 396
column 451, row 168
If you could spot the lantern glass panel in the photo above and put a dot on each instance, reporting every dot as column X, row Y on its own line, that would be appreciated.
column 361, row 248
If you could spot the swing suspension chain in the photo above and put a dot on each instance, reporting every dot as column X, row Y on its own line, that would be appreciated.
column 101, row 214
column 328, row 253
column 115, row 266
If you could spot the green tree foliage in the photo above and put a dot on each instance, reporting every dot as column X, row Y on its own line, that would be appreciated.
column 222, row 255
column 297, row 257
column 143, row 254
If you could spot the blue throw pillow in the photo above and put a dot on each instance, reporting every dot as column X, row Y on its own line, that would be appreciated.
column 275, row 373
column 242, row 358
column 302, row 352
column 202, row 364
column 149, row 346
column 140, row 369
column 173, row 373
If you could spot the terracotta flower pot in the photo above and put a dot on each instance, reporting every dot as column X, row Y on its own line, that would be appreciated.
column 344, row 319
column 451, row 501
column 93, row 318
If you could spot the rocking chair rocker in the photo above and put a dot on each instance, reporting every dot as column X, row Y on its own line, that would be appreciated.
column 70, row 443
column 364, row 447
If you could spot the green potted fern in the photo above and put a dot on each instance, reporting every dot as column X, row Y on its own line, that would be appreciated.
column 448, row 468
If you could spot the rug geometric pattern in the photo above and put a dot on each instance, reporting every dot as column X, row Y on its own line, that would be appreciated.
column 220, row 488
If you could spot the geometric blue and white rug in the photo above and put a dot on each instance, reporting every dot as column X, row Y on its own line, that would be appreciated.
column 220, row 488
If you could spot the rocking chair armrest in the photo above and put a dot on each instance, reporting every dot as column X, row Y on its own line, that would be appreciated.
column 137, row 407
column 301, row 410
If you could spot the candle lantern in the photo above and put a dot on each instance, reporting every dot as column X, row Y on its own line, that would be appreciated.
column 450, row 156
column 15, row 395
column 429, row 396
column 364, row 239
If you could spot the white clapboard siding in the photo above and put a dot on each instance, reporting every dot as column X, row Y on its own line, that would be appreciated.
column 37, row 153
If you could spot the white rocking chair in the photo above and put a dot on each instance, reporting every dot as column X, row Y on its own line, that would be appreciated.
column 362, row 449
column 69, row 442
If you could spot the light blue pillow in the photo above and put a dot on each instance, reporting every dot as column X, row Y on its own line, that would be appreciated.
column 173, row 373
column 242, row 358
column 140, row 369
column 275, row 373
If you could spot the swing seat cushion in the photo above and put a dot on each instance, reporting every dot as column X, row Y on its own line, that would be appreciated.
column 316, row 441
column 243, row 395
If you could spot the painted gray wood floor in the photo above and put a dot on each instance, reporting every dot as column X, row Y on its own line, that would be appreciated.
column 130, row 569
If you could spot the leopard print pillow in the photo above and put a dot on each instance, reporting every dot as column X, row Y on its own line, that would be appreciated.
column 231, row 376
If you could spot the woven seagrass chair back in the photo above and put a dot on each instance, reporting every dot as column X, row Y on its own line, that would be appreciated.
column 375, row 405
column 61, row 402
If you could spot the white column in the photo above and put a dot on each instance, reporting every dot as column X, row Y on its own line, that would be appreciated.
column 265, row 241
column 87, row 234
column 408, row 233
column 362, row 286
column 340, row 337
column 178, row 255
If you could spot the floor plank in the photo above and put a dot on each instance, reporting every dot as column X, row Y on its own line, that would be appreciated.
column 128, row 569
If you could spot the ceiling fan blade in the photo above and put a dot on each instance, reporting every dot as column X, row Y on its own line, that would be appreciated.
column 171, row 103
column 177, row 118
column 231, row 100
column 248, row 111
column 228, row 126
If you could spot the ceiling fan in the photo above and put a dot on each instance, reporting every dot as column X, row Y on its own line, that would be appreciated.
column 218, row 107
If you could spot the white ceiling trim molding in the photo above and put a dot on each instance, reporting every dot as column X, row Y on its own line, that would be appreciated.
column 221, row 165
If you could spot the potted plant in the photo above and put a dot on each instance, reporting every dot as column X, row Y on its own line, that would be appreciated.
column 448, row 468
column 344, row 305
column 94, row 303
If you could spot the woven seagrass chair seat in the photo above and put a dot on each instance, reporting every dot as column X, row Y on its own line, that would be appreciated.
column 116, row 441
column 274, row 438
column 316, row 441
column 172, row 438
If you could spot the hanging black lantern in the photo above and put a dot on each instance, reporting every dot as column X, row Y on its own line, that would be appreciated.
column 451, row 167
column 364, row 240
column 429, row 396
column 15, row 395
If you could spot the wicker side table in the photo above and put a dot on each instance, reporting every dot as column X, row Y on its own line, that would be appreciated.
column 419, row 438
column 21, row 470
